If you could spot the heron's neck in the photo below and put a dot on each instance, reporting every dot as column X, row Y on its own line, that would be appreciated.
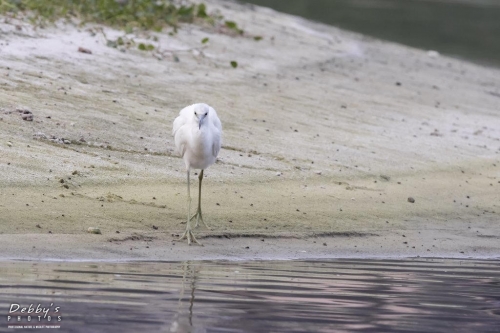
column 203, row 129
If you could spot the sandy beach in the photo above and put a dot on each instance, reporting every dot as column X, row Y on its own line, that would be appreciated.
column 335, row 144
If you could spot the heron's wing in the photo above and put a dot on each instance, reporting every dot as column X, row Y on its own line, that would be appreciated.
column 182, row 149
column 180, row 140
column 217, row 133
column 217, row 144
column 178, row 122
column 182, row 118
column 179, row 130
column 215, row 120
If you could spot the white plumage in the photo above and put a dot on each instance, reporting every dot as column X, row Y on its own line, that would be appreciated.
column 197, row 134
column 198, row 145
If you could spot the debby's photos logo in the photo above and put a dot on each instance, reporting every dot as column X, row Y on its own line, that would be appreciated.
column 34, row 316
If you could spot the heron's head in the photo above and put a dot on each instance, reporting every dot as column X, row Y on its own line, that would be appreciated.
column 201, row 112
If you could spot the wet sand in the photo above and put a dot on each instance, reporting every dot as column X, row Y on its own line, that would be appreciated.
column 327, row 134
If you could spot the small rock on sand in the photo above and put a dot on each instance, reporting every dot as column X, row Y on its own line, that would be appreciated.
column 432, row 54
column 27, row 117
column 25, row 114
column 84, row 50
column 93, row 230
column 410, row 199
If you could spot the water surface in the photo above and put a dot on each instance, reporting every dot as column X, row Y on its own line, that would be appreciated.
column 467, row 29
column 257, row 296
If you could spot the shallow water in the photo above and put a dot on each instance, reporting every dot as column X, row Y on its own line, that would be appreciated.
column 467, row 29
column 280, row 296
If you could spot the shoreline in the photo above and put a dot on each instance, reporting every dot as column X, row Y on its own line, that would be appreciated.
column 153, row 247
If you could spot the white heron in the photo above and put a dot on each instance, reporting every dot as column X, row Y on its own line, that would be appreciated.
column 197, row 134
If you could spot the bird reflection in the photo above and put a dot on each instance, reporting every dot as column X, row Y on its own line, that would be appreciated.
column 190, row 274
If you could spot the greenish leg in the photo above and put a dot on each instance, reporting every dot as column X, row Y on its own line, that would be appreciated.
column 188, row 234
column 198, row 211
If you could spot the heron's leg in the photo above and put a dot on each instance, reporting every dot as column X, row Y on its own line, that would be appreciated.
column 188, row 234
column 198, row 211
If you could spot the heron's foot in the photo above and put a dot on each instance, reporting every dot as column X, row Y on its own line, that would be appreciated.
column 188, row 234
column 199, row 218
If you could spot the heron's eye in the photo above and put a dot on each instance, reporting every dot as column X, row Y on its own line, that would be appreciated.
column 206, row 113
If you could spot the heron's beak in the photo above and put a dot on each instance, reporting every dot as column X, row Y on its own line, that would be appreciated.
column 201, row 120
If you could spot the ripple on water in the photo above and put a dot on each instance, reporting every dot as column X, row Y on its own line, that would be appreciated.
column 281, row 296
